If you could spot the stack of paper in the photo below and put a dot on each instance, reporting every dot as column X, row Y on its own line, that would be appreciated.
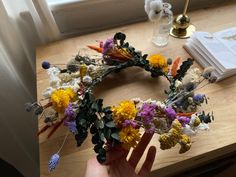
column 217, row 50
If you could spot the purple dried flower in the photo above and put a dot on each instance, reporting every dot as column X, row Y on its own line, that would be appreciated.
column 53, row 162
column 183, row 120
column 130, row 123
column 198, row 97
column 151, row 129
column 69, row 111
column 107, row 45
column 72, row 126
column 147, row 112
column 170, row 112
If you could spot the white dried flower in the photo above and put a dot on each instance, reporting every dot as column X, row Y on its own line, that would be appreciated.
column 153, row 9
column 188, row 130
column 87, row 79
column 136, row 100
column 203, row 126
column 48, row 92
column 91, row 67
column 192, row 120
column 55, row 82
column 207, row 72
column 65, row 77
column 178, row 84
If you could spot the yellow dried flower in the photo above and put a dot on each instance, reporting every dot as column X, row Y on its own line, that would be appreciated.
column 61, row 98
column 175, row 133
column 125, row 111
column 83, row 70
column 129, row 136
column 185, row 143
column 196, row 122
column 176, row 125
column 158, row 61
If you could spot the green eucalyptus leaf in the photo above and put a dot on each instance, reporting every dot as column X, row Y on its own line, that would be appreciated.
column 111, row 124
column 107, row 133
column 102, row 137
column 99, row 124
column 115, row 135
column 83, row 122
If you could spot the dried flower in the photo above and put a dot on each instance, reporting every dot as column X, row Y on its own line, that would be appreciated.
column 150, row 129
column 87, row 79
column 207, row 72
column 69, row 112
column 53, row 162
column 61, row 98
column 129, row 136
column 199, row 97
column 108, row 45
column 212, row 79
column 185, row 143
column 130, row 123
column 72, row 126
column 45, row 65
column 158, row 61
column 147, row 112
column 125, row 111
column 170, row 113
column 183, row 120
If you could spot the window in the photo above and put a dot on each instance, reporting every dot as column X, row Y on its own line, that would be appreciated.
column 84, row 16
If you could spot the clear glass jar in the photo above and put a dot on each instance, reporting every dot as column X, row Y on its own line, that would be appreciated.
column 162, row 26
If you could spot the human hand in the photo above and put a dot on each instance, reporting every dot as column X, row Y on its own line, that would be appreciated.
column 120, row 166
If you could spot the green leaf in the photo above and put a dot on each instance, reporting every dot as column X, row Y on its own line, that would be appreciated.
column 95, row 138
column 102, row 137
column 94, row 107
column 99, row 124
column 97, row 148
column 99, row 104
column 111, row 124
column 183, row 69
column 93, row 129
column 107, row 110
column 107, row 133
column 83, row 122
column 115, row 135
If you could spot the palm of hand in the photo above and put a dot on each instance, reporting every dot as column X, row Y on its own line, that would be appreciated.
column 119, row 166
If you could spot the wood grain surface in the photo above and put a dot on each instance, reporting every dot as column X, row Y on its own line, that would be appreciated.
column 134, row 82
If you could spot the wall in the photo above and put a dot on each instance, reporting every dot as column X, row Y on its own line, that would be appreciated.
column 93, row 15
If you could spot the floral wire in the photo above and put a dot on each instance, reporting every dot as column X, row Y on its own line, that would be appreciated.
column 64, row 141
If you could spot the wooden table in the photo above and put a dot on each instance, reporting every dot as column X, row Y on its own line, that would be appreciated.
column 134, row 82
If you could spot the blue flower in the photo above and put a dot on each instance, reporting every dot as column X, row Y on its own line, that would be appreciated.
column 45, row 65
column 53, row 162
column 198, row 97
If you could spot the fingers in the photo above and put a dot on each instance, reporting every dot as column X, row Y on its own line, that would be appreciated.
column 139, row 150
column 115, row 154
column 94, row 168
column 147, row 165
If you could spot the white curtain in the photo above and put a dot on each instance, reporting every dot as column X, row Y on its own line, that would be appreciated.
column 24, row 24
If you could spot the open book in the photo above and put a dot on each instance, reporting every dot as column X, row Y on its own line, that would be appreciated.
column 217, row 50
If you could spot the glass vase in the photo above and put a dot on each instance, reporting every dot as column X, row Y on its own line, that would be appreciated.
column 162, row 26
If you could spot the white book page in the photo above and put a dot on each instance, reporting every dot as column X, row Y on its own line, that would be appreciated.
column 217, row 49
column 228, row 39
column 206, row 56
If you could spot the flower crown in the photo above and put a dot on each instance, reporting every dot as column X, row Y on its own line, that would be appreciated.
column 71, row 101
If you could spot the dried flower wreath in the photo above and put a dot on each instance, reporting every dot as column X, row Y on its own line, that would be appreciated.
column 71, row 100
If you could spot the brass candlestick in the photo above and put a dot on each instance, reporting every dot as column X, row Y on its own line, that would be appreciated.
column 182, row 28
